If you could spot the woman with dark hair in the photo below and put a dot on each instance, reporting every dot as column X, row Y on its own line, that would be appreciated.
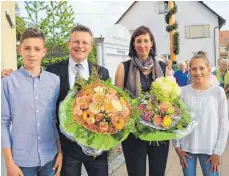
column 142, row 69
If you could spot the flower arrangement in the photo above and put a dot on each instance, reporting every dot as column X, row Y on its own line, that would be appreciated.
column 101, row 109
column 163, row 115
column 97, row 115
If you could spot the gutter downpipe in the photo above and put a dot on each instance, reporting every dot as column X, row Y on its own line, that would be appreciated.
column 214, row 39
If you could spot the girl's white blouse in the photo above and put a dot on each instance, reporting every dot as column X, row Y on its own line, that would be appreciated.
column 210, row 107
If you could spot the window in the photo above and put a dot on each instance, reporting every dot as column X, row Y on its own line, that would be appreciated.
column 197, row 31
column 163, row 7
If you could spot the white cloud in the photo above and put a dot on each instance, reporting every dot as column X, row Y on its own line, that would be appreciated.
column 220, row 7
column 100, row 15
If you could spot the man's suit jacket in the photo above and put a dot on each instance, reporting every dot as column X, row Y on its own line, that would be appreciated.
column 163, row 66
column 61, row 70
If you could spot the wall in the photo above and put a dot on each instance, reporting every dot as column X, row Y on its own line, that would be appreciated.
column 189, row 13
column 8, row 37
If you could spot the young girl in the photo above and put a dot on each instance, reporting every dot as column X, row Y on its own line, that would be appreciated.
column 209, row 138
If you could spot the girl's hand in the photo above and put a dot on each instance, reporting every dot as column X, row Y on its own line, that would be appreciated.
column 182, row 156
column 215, row 162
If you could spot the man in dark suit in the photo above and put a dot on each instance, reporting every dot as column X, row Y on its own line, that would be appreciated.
column 80, row 45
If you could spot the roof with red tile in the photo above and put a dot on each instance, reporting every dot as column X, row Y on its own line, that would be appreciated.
column 223, row 37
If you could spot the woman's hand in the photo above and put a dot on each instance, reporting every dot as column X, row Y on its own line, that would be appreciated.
column 182, row 156
column 215, row 162
column 58, row 164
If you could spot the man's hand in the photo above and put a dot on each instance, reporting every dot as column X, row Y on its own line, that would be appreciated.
column 215, row 162
column 6, row 72
column 13, row 170
column 58, row 164
column 182, row 156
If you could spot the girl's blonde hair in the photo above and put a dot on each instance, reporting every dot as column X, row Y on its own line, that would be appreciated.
column 200, row 55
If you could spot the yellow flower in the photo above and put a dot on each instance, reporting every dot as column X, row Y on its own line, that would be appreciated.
column 99, row 89
column 167, row 122
column 118, row 124
column 116, row 105
column 122, row 101
column 98, row 98
column 95, row 108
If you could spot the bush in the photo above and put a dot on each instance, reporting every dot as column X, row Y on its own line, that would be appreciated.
column 45, row 62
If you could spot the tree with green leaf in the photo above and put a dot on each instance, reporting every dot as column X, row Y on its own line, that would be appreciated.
column 35, row 9
column 61, row 21
column 93, row 55
column 55, row 19
column 20, row 23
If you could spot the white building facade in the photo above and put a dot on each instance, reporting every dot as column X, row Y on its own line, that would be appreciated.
column 114, row 49
column 197, row 23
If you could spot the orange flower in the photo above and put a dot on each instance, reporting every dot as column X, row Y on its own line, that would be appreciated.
column 77, row 111
column 125, row 112
column 88, row 92
column 82, row 102
column 99, row 117
column 103, row 126
column 88, row 117
column 157, row 120
column 114, row 118
column 120, row 124
column 163, row 106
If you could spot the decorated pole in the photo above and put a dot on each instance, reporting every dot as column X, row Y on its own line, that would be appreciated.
column 171, row 22
column 172, row 29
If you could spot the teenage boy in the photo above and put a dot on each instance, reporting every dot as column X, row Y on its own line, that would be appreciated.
column 29, row 96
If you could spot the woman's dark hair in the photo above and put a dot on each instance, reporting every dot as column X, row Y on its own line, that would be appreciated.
column 141, row 31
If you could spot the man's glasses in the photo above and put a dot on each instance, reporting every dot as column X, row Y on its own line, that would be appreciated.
column 82, row 43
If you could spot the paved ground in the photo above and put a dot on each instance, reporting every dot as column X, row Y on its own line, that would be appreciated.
column 173, row 166
column 174, row 169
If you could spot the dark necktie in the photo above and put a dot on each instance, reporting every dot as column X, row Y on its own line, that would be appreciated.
column 78, row 69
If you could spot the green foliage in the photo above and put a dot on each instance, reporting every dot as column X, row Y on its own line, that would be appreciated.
column 34, row 9
column 20, row 23
column 175, row 67
column 45, row 62
column 176, row 43
column 170, row 13
column 56, row 24
column 93, row 55
column 172, row 27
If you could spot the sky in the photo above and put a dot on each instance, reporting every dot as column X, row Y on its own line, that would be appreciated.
column 100, row 15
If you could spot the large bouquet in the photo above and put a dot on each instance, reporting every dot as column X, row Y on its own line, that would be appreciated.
column 163, row 115
column 96, row 115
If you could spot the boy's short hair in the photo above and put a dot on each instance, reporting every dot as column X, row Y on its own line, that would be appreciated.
column 81, row 28
column 32, row 33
